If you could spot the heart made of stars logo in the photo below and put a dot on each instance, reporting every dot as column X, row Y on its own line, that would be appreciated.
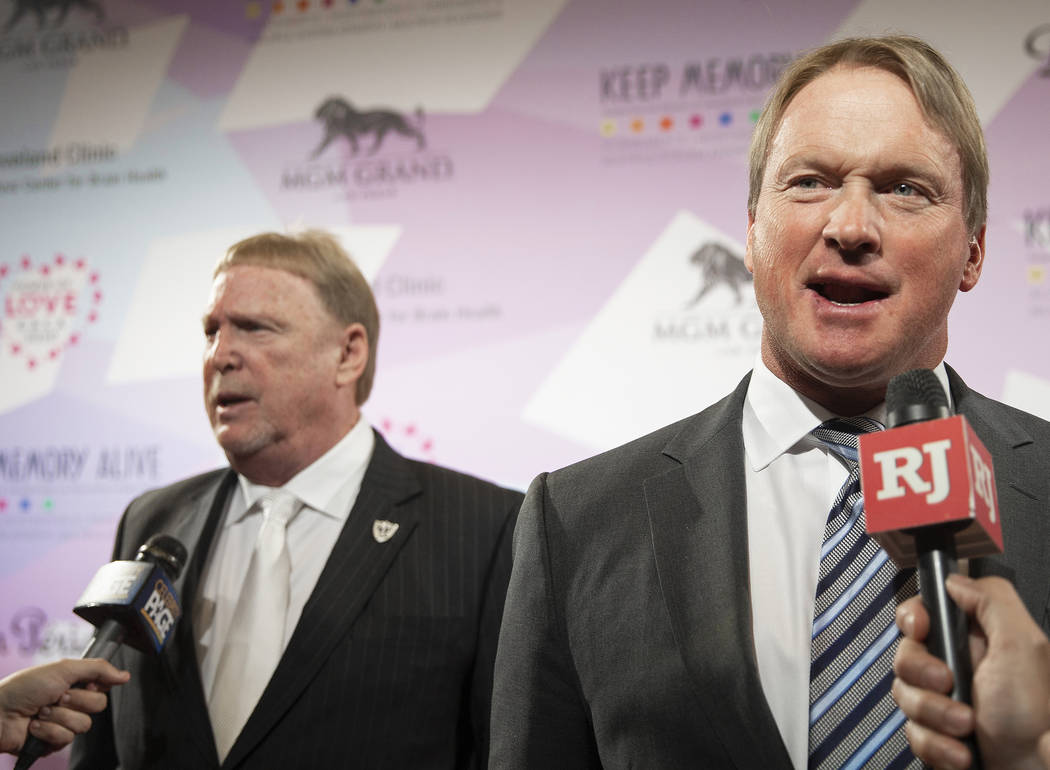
column 46, row 306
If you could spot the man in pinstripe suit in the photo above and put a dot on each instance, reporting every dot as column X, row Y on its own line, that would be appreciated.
column 397, row 568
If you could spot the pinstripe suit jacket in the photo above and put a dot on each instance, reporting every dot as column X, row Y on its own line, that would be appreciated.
column 390, row 665
column 627, row 636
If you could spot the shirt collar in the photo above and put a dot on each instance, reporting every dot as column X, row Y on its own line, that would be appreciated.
column 319, row 483
column 776, row 418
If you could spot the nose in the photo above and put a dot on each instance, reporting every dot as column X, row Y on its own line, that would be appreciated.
column 854, row 223
column 221, row 352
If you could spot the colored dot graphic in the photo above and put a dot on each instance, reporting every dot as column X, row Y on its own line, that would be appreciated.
column 25, row 505
column 408, row 437
column 254, row 9
column 670, row 123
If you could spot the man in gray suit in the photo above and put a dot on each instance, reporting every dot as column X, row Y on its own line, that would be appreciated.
column 663, row 598
column 378, row 651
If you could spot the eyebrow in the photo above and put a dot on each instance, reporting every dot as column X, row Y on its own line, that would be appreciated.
column 260, row 317
column 920, row 170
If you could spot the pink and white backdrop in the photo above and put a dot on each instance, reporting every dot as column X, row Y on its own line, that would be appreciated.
column 530, row 234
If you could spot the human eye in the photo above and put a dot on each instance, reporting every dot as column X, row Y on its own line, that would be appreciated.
column 906, row 186
column 809, row 183
column 807, row 187
column 251, row 324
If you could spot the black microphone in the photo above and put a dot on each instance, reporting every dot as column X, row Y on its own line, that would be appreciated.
column 134, row 602
column 129, row 602
column 929, row 497
column 917, row 396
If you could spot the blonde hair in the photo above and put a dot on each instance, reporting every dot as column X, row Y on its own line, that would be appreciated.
column 317, row 256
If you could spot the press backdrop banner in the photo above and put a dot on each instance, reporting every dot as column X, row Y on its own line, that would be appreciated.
column 547, row 195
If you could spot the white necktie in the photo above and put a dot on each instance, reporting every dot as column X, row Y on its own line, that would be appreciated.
column 255, row 640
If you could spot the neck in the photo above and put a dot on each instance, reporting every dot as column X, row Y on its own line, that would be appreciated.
column 844, row 400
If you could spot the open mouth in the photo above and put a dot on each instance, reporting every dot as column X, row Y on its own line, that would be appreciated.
column 228, row 399
column 847, row 295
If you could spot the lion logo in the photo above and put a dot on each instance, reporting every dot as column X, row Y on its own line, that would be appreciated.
column 341, row 119
column 719, row 267
column 40, row 8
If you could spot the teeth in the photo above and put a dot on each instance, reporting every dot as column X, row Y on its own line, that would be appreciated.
column 845, row 304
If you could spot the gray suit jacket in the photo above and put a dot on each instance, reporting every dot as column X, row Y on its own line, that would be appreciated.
column 627, row 637
column 390, row 665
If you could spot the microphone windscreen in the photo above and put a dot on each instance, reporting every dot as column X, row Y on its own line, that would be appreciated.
column 166, row 551
column 914, row 396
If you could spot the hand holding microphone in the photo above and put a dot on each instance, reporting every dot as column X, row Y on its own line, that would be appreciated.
column 1011, row 685
column 41, row 701
column 129, row 602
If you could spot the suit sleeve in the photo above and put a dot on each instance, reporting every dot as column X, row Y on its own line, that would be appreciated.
column 495, row 592
column 539, row 716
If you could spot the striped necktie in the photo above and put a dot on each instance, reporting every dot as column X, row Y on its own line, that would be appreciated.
column 853, row 720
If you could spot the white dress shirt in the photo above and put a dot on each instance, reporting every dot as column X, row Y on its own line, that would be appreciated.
column 328, row 489
column 792, row 481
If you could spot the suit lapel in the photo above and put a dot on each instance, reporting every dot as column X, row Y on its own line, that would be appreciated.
column 195, row 526
column 351, row 576
column 192, row 521
column 1021, row 485
column 698, row 519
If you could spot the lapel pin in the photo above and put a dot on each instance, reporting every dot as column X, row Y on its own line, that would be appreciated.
column 383, row 530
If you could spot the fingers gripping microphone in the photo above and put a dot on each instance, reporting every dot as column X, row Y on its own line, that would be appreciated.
column 930, row 498
column 129, row 602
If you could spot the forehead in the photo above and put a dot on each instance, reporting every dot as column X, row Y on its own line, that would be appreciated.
column 861, row 109
column 254, row 288
column 856, row 83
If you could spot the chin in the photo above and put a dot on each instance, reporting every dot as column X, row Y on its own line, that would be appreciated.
column 240, row 446
column 850, row 371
